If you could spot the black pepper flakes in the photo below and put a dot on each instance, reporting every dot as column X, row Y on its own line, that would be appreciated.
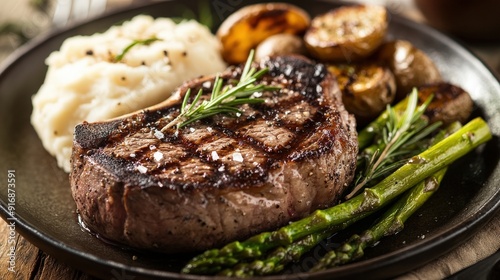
column 184, row 53
column 143, row 62
column 165, row 53
column 123, row 78
column 89, row 52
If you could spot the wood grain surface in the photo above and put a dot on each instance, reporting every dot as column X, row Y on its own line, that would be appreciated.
column 31, row 262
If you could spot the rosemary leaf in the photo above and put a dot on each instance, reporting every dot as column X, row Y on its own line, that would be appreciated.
column 200, row 92
column 224, row 99
column 184, row 102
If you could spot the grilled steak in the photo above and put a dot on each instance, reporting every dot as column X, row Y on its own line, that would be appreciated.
column 221, row 178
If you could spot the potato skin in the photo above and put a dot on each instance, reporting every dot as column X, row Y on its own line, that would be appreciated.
column 280, row 44
column 411, row 66
column 450, row 103
column 348, row 33
column 246, row 28
column 366, row 88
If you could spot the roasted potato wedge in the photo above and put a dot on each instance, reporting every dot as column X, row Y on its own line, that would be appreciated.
column 249, row 26
column 280, row 44
column 411, row 67
column 450, row 103
column 347, row 33
column 366, row 89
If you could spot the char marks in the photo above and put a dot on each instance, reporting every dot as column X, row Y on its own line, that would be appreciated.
column 227, row 151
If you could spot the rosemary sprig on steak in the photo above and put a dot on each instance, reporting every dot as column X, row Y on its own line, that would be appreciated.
column 437, row 157
column 223, row 99
column 399, row 140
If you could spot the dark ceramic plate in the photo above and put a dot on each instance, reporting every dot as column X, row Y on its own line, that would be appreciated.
column 45, row 211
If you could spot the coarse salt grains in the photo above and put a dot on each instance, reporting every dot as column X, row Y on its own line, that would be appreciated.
column 237, row 157
column 215, row 156
column 158, row 156
column 142, row 169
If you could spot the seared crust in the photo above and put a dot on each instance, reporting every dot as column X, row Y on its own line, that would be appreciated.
column 222, row 178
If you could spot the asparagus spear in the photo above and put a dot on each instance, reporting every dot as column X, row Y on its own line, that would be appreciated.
column 475, row 133
column 276, row 260
column 281, row 256
column 396, row 139
column 390, row 223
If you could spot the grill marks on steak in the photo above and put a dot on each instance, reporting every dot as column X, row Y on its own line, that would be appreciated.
column 220, row 178
column 245, row 147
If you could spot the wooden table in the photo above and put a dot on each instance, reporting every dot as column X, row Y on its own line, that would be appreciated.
column 32, row 263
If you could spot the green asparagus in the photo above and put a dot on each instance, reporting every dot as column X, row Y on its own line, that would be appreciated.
column 395, row 143
column 276, row 261
column 390, row 223
column 475, row 133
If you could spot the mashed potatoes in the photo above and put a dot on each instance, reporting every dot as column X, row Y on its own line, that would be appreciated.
column 84, row 81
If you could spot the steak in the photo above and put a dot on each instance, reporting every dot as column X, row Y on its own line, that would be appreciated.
column 222, row 178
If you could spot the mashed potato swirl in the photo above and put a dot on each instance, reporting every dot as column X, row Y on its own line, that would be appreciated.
column 85, row 83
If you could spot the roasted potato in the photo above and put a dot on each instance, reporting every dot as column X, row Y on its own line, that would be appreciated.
column 249, row 26
column 450, row 103
column 411, row 67
column 347, row 33
column 280, row 44
column 366, row 89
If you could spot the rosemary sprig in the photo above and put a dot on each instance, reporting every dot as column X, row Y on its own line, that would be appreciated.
column 145, row 42
column 223, row 99
column 401, row 139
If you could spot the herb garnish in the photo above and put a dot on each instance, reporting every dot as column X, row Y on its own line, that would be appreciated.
column 223, row 99
column 134, row 43
column 401, row 139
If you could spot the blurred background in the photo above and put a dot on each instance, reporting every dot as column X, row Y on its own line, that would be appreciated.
column 22, row 20
column 475, row 23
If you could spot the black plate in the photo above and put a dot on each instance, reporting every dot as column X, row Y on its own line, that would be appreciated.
column 45, row 211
